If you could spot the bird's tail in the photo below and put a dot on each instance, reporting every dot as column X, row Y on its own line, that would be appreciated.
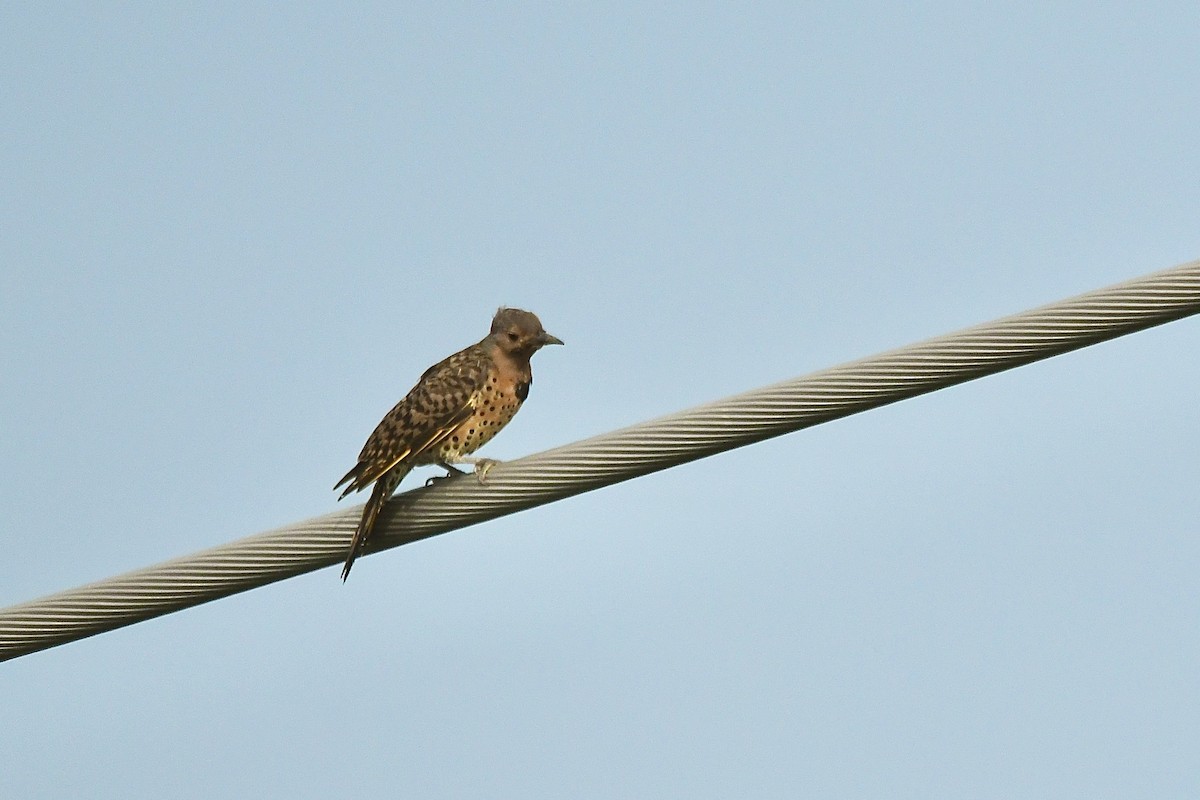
column 379, row 495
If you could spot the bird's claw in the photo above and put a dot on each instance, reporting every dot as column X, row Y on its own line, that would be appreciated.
column 453, row 473
column 482, row 466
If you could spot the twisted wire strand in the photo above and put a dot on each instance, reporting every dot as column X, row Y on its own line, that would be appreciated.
column 618, row 456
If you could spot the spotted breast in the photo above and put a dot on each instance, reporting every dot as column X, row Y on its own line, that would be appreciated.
column 495, row 404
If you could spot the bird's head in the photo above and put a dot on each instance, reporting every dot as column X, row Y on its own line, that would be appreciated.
column 519, row 333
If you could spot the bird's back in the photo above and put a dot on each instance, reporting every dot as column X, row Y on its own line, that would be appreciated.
column 432, row 410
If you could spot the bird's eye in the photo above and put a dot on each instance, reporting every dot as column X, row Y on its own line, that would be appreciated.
column 512, row 336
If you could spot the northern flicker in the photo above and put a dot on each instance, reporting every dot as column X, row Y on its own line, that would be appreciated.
column 457, row 406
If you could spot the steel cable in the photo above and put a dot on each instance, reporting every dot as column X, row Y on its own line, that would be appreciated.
column 618, row 456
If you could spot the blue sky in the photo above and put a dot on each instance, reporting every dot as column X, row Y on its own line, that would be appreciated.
column 235, row 235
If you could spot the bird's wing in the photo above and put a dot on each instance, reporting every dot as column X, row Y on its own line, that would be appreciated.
column 442, row 400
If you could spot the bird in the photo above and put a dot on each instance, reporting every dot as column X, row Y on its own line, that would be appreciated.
column 455, row 408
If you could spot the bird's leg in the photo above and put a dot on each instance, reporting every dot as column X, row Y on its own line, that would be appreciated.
column 482, row 465
column 451, row 471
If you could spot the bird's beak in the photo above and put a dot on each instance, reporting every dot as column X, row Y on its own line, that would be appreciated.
column 548, row 339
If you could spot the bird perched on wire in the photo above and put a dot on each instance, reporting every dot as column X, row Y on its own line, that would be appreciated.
column 457, row 406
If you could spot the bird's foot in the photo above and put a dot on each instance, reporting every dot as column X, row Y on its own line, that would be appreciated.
column 451, row 472
column 482, row 465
